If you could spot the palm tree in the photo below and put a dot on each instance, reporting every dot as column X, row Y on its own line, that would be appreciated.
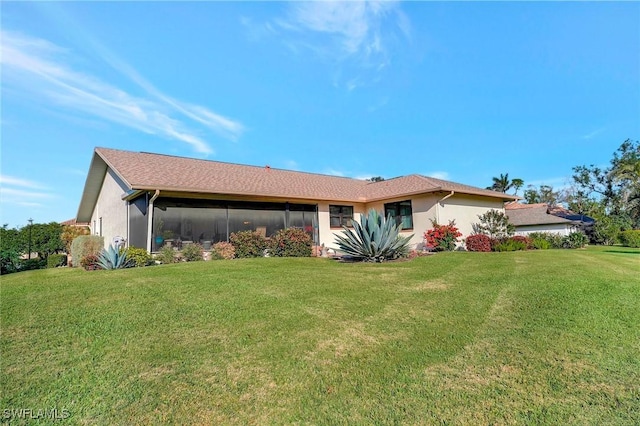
column 501, row 184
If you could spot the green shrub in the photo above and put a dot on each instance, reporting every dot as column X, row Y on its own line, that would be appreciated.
column 555, row 241
column 223, row 250
column 541, row 244
column 139, row 256
column 511, row 244
column 575, row 240
column 248, row 244
column 85, row 245
column 528, row 243
column 374, row 239
column 291, row 242
column 31, row 264
column 630, row 238
column 55, row 260
column 167, row 255
column 192, row 252
column 495, row 224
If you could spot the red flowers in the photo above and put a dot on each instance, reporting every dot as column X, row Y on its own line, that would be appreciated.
column 442, row 237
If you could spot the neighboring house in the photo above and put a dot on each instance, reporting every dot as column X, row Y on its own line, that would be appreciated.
column 152, row 200
column 529, row 218
column 74, row 222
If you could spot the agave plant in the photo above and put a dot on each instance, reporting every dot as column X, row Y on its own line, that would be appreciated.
column 374, row 239
column 113, row 258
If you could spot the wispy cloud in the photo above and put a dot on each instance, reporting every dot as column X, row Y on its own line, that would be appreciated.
column 593, row 134
column 555, row 182
column 44, row 70
column 355, row 34
column 24, row 183
column 438, row 175
column 333, row 172
column 23, row 192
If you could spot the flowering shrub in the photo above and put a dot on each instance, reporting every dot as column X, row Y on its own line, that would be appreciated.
column 248, row 243
column 442, row 237
column 478, row 242
column 223, row 250
column 290, row 242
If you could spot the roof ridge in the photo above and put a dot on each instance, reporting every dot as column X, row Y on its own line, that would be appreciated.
column 267, row 166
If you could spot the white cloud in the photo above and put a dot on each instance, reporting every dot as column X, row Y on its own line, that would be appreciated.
column 438, row 175
column 23, row 192
column 291, row 165
column 333, row 172
column 357, row 34
column 41, row 68
column 14, row 181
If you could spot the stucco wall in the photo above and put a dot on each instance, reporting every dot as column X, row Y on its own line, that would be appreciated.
column 465, row 209
column 111, row 208
column 556, row 228
column 326, row 234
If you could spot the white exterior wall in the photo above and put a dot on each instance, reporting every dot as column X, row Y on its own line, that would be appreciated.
column 562, row 229
column 465, row 209
column 327, row 235
column 111, row 208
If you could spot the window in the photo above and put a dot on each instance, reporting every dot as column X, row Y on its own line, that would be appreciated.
column 401, row 212
column 340, row 216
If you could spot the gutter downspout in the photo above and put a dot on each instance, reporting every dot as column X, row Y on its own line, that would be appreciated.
column 439, row 204
column 150, row 219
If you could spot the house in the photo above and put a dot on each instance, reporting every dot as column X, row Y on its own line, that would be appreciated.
column 74, row 222
column 541, row 217
column 152, row 200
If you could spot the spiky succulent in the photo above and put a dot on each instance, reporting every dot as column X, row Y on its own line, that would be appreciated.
column 113, row 258
column 374, row 239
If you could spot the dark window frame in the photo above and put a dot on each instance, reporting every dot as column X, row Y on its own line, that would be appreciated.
column 397, row 206
column 344, row 218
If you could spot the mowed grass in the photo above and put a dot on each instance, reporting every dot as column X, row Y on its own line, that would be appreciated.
column 544, row 337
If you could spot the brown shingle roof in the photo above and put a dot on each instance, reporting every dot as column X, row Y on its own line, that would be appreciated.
column 531, row 214
column 146, row 171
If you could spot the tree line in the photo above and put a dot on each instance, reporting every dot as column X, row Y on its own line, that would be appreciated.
column 610, row 195
column 36, row 241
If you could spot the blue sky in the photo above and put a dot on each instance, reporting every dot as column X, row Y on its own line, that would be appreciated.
column 457, row 90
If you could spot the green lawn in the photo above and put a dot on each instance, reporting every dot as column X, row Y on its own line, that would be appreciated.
column 542, row 337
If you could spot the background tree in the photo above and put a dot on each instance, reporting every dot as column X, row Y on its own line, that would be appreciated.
column 45, row 238
column 375, row 179
column 517, row 184
column 543, row 194
column 12, row 245
column 614, row 191
column 503, row 183
column 69, row 233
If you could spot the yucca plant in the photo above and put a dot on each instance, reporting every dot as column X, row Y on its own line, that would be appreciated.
column 113, row 258
column 374, row 239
